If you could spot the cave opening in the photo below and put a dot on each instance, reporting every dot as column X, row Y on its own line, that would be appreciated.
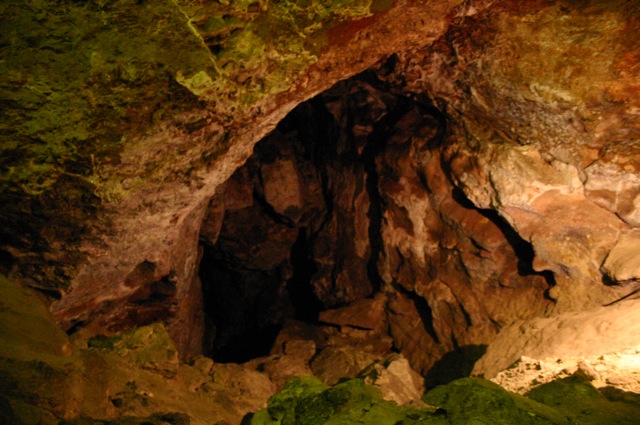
column 328, row 212
column 297, row 229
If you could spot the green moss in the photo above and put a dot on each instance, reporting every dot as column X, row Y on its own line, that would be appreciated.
column 80, row 75
column 584, row 404
column 306, row 401
column 140, row 346
column 476, row 401
column 87, row 83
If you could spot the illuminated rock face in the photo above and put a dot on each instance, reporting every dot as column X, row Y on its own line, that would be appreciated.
column 483, row 171
column 123, row 118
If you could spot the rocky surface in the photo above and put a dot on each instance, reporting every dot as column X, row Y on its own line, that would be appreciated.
column 137, row 375
column 463, row 401
column 480, row 172
column 123, row 118
column 440, row 266
column 602, row 343
column 529, row 140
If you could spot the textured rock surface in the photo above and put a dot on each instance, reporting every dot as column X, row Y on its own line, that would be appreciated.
column 531, row 124
column 483, row 174
column 443, row 267
column 589, row 333
column 47, row 378
column 122, row 118
column 468, row 400
column 396, row 380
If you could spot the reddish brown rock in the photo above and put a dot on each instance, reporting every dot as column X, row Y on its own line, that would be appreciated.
column 366, row 313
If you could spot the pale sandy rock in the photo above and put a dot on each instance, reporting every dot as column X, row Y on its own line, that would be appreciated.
column 588, row 372
column 514, row 176
column 623, row 262
column 589, row 333
column 396, row 379
column 617, row 369
column 617, row 188
column 571, row 237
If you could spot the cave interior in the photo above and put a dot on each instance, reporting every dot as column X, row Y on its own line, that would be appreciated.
column 289, row 213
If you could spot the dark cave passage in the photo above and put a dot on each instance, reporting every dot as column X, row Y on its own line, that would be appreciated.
column 306, row 304
column 301, row 229
column 307, row 224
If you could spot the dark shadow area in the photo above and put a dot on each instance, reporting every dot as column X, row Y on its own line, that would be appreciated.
column 424, row 310
column 455, row 365
column 306, row 304
column 7, row 415
column 247, row 346
column 237, row 325
column 616, row 394
column 6, row 262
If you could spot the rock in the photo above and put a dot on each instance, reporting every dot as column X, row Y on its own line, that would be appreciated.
column 613, row 182
column 623, row 262
column 27, row 327
column 471, row 399
column 576, row 399
column 335, row 363
column 307, row 400
column 587, row 372
column 590, row 333
column 282, row 189
column 481, row 176
column 366, row 313
column 622, row 381
column 297, row 338
column 280, row 369
column 468, row 400
column 396, row 380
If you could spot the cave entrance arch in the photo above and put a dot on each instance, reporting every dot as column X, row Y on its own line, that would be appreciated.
column 296, row 229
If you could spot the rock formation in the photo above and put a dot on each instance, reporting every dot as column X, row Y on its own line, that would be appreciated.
column 278, row 180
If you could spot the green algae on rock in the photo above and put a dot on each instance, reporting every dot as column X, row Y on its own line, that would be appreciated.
column 580, row 401
column 477, row 401
column 89, row 83
column 306, row 400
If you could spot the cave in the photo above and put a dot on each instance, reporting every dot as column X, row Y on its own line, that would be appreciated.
column 286, row 245
column 371, row 212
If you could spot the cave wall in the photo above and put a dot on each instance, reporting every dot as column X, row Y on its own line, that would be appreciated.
column 115, row 148
column 123, row 117
column 357, row 172
column 534, row 129
column 493, row 205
